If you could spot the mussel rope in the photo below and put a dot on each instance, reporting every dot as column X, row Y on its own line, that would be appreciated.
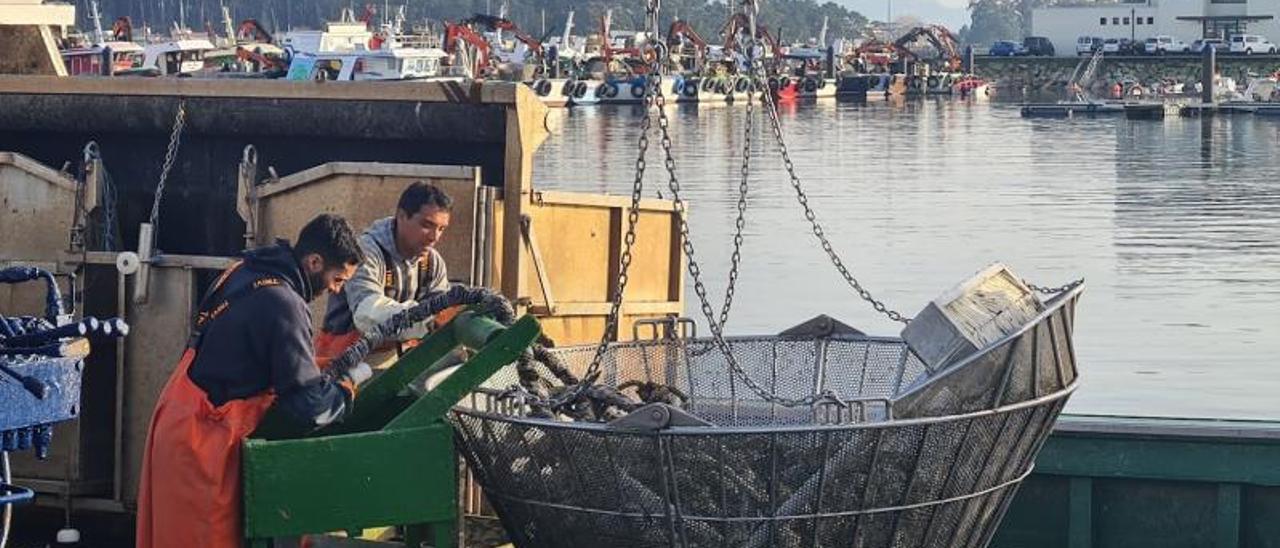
column 491, row 304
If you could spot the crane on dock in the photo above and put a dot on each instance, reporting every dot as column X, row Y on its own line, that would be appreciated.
column 940, row 38
column 455, row 33
column 500, row 24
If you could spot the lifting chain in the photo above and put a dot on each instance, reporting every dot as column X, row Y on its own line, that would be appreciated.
column 740, row 222
column 629, row 239
column 695, row 270
column 771, row 109
column 171, row 153
column 1053, row 290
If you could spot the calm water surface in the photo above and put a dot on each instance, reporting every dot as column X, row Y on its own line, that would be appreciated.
column 1175, row 225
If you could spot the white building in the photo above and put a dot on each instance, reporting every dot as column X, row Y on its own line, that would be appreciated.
column 1187, row 20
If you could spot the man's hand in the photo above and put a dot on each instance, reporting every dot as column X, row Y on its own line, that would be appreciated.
column 359, row 374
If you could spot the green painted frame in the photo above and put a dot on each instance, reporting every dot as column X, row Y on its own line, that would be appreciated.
column 392, row 462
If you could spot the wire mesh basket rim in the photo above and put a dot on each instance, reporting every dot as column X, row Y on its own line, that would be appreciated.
column 1007, row 484
column 735, row 430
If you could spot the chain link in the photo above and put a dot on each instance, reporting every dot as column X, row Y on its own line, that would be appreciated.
column 695, row 270
column 740, row 222
column 171, row 153
column 628, row 240
column 1053, row 290
column 771, row 110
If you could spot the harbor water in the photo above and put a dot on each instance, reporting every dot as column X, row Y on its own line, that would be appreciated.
column 1174, row 224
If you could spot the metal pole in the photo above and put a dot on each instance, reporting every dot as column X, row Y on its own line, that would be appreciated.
column 1207, row 70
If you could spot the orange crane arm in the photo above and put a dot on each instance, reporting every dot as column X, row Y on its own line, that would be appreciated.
column 455, row 32
column 250, row 28
column 679, row 27
column 502, row 23
column 243, row 54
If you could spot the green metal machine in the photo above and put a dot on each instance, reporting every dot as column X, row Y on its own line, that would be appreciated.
column 392, row 461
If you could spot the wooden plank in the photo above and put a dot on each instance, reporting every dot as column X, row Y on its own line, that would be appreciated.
column 555, row 197
column 651, row 268
column 539, row 266
column 575, row 245
column 61, row 15
column 970, row 316
column 491, row 92
column 38, row 207
column 25, row 163
column 517, row 171
column 676, row 263
column 373, row 169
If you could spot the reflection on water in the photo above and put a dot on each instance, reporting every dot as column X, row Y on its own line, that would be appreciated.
column 1175, row 225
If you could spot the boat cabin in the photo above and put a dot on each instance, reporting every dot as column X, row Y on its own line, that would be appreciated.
column 177, row 57
column 91, row 60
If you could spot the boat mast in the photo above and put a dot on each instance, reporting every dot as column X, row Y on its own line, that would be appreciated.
column 98, row 36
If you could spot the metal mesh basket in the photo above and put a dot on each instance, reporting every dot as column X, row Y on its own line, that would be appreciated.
column 769, row 475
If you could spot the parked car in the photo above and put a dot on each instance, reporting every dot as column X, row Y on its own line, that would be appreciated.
column 1087, row 45
column 1037, row 45
column 1160, row 45
column 1131, row 47
column 1200, row 45
column 1250, row 44
column 1111, row 45
column 1006, row 48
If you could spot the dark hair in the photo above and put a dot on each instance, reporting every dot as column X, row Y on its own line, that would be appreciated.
column 421, row 194
column 330, row 237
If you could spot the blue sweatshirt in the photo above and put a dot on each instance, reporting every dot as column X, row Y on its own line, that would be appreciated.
column 263, row 342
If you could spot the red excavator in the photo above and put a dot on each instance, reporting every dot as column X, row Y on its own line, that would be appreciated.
column 637, row 60
column 680, row 36
column 366, row 16
column 455, row 32
column 681, row 31
column 494, row 23
column 265, row 62
column 875, row 52
column 940, row 38
column 251, row 30
column 122, row 29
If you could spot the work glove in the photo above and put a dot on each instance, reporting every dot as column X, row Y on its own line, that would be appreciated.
column 375, row 310
column 359, row 374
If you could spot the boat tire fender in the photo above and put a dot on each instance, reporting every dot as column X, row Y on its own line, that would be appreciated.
column 690, row 88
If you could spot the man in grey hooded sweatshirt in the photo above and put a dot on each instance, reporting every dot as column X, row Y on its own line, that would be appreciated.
column 401, row 267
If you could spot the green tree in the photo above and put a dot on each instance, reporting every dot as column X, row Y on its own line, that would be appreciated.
column 797, row 19
column 1000, row 20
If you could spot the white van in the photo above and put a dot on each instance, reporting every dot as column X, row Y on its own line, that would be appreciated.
column 1250, row 44
column 1165, row 44
column 1086, row 45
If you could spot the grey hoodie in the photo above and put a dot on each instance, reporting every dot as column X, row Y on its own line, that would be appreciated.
column 372, row 296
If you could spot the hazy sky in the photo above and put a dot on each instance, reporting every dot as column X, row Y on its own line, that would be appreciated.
column 951, row 13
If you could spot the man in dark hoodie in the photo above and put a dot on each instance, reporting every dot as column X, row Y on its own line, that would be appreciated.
column 250, row 348
column 401, row 267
